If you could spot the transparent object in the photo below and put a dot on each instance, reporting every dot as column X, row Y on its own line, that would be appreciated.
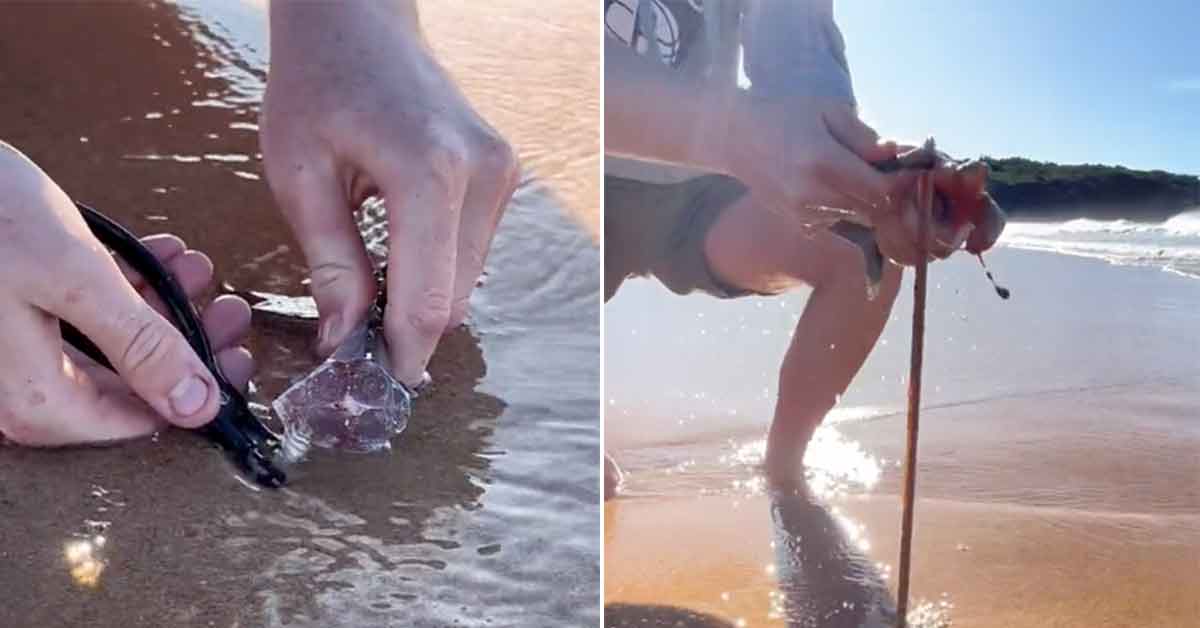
column 350, row 402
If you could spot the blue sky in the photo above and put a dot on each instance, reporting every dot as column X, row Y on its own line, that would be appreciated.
column 1059, row 80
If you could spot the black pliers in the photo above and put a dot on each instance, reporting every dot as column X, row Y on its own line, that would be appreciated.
column 235, row 429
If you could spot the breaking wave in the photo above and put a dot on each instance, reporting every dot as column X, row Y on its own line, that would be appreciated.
column 1173, row 245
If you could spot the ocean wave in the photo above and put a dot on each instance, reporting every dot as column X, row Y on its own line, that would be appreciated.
column 1184, row 224
column 1172, row 245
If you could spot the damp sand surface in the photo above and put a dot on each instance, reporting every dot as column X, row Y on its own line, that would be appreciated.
column 484, row 513
column 1059, row 483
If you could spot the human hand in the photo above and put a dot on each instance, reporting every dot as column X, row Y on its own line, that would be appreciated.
column 962, row 210
column 812, row 157
column 357, row 106
column 55, row 269
column 972, row 214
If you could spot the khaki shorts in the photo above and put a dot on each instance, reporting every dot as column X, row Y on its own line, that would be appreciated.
column 658, row 230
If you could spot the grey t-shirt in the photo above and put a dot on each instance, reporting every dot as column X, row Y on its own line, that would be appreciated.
column 787, row 47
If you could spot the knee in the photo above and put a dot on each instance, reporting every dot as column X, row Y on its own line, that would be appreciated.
column 842, row 266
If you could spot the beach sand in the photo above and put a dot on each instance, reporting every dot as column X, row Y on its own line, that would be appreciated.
column 485, row 512
column 1059, row 483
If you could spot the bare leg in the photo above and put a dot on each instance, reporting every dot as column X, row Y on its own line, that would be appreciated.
column 758, row 250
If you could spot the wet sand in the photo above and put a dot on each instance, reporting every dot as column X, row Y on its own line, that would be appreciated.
column 484, row 513
column 1059, row 483
column 996, row 565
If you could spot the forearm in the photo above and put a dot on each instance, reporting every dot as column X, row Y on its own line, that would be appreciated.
column 656, row 113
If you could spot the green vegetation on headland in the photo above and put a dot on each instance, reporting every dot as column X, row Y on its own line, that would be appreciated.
column 1033, row 190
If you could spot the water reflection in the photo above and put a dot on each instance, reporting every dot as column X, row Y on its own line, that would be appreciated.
column 819, row 571
column 85, row 560
column 825, row 577
column 823, row 567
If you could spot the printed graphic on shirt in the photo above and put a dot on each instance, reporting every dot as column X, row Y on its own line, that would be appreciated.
column 670, row 26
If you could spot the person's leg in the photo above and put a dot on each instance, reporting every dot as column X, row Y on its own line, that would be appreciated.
column 761, row 251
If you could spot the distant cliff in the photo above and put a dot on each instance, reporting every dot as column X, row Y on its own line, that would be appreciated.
column 1032, row 190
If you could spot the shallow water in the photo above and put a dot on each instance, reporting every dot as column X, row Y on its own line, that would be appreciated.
column 1058, row 485
column 485, row 511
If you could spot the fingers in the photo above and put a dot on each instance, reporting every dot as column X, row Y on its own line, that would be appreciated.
column 895, row 243
column 845, row 126
column 846, row 171
column 192, row 269
column 486, row 199
column 226, row 321
column 164, row 246
column 322, row 220
column 92, row 404
column 148, row 352
column 896, row 226
column 423, row 219
column 238, row 366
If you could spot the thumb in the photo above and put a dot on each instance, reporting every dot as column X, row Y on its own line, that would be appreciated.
column 148, row 352
column 323, row 223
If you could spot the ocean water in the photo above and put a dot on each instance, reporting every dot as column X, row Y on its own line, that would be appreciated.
column 1173, row 245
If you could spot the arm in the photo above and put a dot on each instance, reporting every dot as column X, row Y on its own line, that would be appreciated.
column 795, row 152
column 357, row 106
column 795, row 49
column 656, row 113
column 794, row 138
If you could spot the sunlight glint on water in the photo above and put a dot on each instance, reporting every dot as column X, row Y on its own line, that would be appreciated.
column 834, row 465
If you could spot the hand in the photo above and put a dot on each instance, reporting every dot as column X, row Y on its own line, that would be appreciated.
column 809, row 156
column 55, row 269
column 962, row 212
column 897, row 231
column 357, row 106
